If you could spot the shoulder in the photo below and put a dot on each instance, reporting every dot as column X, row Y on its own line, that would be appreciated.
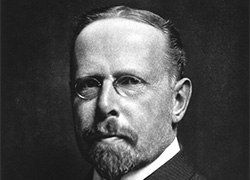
column 179, row 167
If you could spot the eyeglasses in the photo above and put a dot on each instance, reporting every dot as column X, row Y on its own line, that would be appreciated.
column 89, row 87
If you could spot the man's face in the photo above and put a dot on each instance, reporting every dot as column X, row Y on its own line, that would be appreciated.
column 126, row 120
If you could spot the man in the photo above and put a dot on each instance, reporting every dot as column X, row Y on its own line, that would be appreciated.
column 128, row 95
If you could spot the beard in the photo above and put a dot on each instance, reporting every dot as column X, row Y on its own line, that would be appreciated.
column 114, row 159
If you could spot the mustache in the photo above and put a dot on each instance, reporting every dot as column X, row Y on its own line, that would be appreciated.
column 110, row 128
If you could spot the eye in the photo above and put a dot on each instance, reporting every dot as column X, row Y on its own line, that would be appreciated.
column 130, row 86
column 87, row 83
column 128, row 80
column 87, row 88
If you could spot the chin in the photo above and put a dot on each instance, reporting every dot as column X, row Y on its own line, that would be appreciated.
column 112, row 161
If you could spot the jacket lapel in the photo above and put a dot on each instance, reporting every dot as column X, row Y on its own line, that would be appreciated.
column 176, row 168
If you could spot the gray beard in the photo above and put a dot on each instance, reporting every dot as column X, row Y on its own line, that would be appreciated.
column 112, row 162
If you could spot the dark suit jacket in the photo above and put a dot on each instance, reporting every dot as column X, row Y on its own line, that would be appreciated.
column 177, row 168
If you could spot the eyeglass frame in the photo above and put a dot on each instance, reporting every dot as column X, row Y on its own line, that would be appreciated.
column 115, row 84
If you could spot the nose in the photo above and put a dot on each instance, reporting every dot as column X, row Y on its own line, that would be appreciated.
column 108, row 100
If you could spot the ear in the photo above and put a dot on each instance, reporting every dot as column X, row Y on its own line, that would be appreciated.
column 182, row 95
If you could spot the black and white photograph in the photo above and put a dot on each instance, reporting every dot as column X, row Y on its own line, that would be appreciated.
column 124, row 90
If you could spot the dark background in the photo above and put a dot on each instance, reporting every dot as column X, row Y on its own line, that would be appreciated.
column 37, row 135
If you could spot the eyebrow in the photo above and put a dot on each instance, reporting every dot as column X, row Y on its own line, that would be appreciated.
column 130, row 72
column 137, row 72
column 96, row 76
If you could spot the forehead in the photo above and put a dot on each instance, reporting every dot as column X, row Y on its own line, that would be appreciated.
column 119, row 27
column 119, row 30
column 121, row 41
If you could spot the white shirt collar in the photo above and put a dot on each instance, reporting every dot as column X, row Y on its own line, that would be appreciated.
column 144, row 172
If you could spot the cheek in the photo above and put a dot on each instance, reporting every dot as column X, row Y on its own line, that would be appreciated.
column 150, row 116
column 148, row 109
column 155, row 117
column 83, row 114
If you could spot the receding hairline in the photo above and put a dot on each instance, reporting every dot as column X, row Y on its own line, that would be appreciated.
column 117, row 22
column 175, row 59
column 155, row 35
